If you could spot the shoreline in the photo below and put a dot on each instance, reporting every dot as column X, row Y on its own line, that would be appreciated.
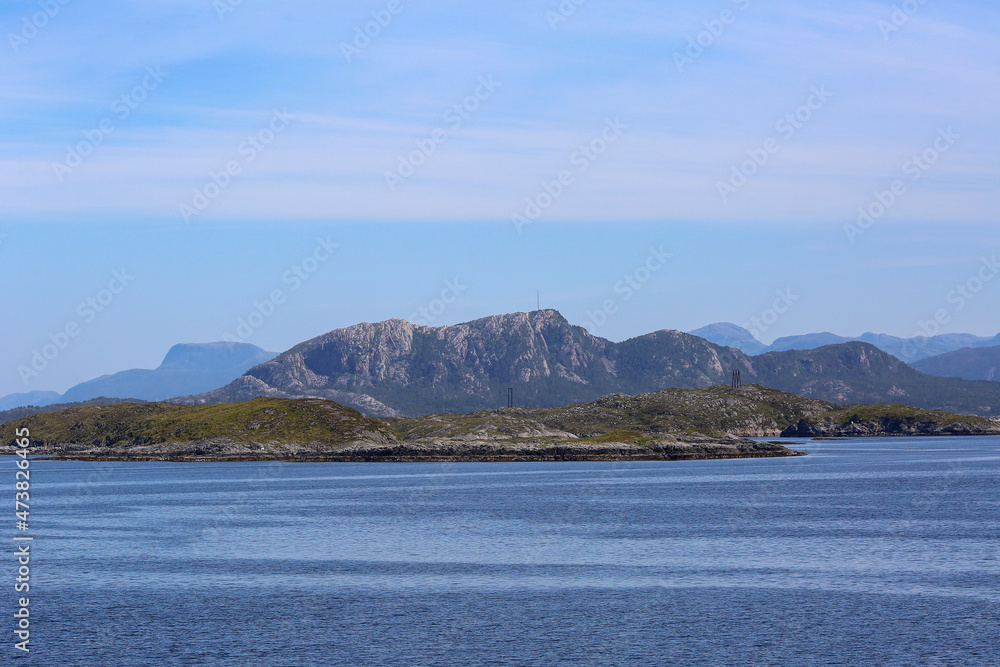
column 479, row 452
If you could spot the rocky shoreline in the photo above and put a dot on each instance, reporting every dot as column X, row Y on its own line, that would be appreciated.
column 221, row 449
column 889, row 420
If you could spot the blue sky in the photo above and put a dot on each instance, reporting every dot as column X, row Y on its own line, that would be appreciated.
column 740, row 136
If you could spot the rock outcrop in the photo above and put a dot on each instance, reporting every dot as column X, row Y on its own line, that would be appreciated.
column 887, row 420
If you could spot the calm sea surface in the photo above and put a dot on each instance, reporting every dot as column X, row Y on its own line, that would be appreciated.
column 878, row 551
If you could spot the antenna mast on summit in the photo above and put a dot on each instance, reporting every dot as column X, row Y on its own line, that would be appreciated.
column 538, row 298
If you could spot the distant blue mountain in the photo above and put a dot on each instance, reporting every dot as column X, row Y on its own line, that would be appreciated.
column 28, row 398
column 187, row 369
column 807, row 342
column 909, row 350
column 730, row 335
column 969, row 363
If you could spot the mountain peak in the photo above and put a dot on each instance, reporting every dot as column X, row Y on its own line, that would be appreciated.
column 212, row 356
column 730, row 335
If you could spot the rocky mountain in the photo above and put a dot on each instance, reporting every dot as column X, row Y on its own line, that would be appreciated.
column 186, row 369
column 861, row 373
column 396, row 368
column 909, row 350
column 981, row 363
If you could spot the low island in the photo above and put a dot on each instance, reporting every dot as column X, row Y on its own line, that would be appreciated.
column 668, row 425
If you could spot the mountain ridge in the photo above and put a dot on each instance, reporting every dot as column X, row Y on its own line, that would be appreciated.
column 909, row 350
column 395, row 368
column 968, row 363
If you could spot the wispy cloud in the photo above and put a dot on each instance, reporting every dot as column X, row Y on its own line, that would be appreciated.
column 356, row 118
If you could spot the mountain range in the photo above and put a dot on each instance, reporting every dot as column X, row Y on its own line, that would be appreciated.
column 910, row 350
column 396, row 368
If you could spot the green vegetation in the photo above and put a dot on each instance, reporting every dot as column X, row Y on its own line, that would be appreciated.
column 689, row 423
column 262, row 420
column 710, row 420
column 898, row 414
column 891, row 419
column 751, row 410
column 709, row 411
column 25, row 410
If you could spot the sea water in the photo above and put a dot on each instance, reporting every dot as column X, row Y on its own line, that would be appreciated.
column 873, row 551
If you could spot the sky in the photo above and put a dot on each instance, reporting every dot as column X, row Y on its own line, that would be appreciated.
column 637, row 165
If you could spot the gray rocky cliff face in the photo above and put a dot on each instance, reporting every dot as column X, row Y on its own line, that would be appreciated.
column 395, row 368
